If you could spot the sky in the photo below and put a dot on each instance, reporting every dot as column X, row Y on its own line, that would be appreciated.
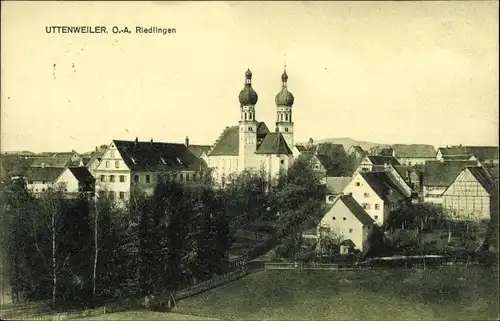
column 387, row 72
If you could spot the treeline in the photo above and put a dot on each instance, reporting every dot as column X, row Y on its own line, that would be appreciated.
column 83, row 250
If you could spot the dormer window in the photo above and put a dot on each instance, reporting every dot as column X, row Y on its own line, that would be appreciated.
column 133, row 160
column 179, row 160
column 164, row 161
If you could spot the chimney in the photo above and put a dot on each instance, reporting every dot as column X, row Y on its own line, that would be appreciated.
column 136, row 140
column 96, row 149
column 390, row 191
column 186, row 141
column 43, row 165
column 151, row 140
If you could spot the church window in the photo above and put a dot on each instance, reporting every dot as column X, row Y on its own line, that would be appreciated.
column 282, row 161
column 286, row 129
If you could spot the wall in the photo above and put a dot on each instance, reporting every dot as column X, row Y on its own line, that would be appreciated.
column 410, row 161
column 223, row 166
column 434, row 194
column 467, row 199
column 340, row 227
column 366, row 197
column 69, row 181
column 112, row 164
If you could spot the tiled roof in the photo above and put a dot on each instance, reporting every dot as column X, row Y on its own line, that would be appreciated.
column 336, row 185
column 453, row 150
column 483, row 152
column 403, row 171
column 381, row 160
column 275, row 144
column 356, row 209
column 482, row 176
column 385, row 187
column 86, row 160
column 228, row 143
column 414, row 150
column 197, row 150
column 157, row 157
column 493, row 170
column 82, row 174
column 357, row 149
column 331, row 171
column 301, row 148
column 51, row 162
column 47, row 174
column 438, row 173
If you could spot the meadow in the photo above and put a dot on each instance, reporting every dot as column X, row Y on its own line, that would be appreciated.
column 451, row 293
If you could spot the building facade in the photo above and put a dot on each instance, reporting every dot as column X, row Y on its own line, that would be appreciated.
column 251, row 145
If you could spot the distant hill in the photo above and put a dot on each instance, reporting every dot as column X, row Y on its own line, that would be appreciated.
column 24, row 152
column 348, row 142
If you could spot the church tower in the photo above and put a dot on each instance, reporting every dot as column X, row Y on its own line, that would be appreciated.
column 284, row 102
column 247, row 125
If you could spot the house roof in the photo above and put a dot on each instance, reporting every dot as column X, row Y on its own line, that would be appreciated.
column 356, row 209
column 438, row 173
column 384, row 185
column 228, row 142
column 335, row 147
column 51, row 162
column 86, row 160
column 482, row 176
column 274, row 143
column 197, row 150
column 381, row 160
column 82, row 174
column 331, row 170
column 453, row 150
column 301, row 148
column 414, row 151
column 48, row 174
column 492, row 170
column 157, row 157
column 403, row 171
column 336, row 185
column 483, row 152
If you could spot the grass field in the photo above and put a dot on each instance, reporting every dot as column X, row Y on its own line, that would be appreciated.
column 448, row 294
column 144, row 315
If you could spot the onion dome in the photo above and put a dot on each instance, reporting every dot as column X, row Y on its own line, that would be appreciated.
column 284, row 97
column 248, row 96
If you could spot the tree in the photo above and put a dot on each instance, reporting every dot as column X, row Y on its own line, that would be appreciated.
column 340, row 164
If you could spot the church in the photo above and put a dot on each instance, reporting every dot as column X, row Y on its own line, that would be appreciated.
column 250, row 144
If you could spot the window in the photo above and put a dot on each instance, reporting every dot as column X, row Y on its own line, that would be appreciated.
column 43, row 182
column 367, row 194
column 333, row 218
column 117, row 164
column 122, row 195
column 282, row 161
column 344, row 218
column 366, row 206
column 107, row 164
column 331, row 198
column 377, row 206
column 43, row 189
column 111, row 178
column 181, row 177
column 250, row 129
column 375, row 217
column 136, row 178
column 286, row 129
column 167, row 177
column 148, row 179
column 188, row 178
column 350, row 230
column 101, row 193
column 30, row 182
column 111, row 194
column 103, row 178
column 358, row 184
column 122, row 178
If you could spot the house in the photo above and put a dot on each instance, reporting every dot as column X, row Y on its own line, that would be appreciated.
column 413, row 154
column 127, row 165
column 335, row 187
column 484, row 154
column 377, row 192
column 349, row 221
column 454, row 153
column 94, row 161
column 437, row 176
column 200, row 151
column 306, row 150
column 398, row 176
column 373, row 162
column 70, row 180
column 357, row 151
column 50, row 161
column 468, row 196
column 250, row 145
